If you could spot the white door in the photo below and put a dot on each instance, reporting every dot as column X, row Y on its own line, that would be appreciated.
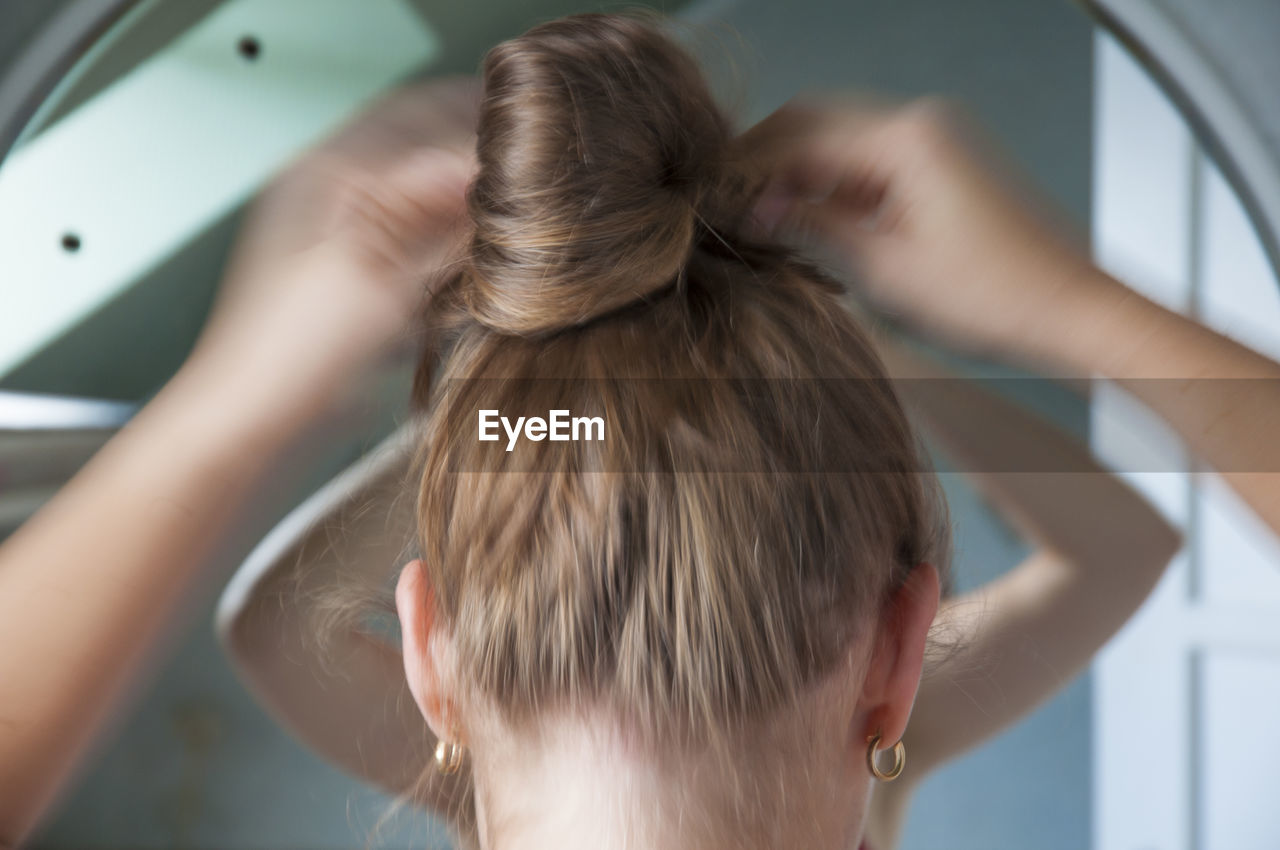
column 1187, row 697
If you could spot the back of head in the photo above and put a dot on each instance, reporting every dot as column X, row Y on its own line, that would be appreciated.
column 757, row 491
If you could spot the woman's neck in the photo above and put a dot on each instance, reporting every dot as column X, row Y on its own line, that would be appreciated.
column 575, row 789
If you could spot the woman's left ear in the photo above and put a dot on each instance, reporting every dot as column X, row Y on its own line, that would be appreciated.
column 889, row 689
column 415, row 605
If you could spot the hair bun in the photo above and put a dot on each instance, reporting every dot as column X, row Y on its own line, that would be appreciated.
column 597, row 142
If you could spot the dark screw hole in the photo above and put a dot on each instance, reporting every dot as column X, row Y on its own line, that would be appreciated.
column 70, row 243
column 250, row 48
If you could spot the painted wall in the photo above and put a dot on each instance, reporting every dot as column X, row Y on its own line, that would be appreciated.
column 199, row 765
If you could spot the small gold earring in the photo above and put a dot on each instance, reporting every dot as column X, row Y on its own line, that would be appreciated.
column 899, row 759
column 449, row 756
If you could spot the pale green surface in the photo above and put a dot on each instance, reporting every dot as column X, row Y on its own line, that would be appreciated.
column 179, row 142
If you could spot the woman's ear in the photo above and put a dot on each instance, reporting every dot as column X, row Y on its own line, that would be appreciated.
column 897, row 661
column 415, row 605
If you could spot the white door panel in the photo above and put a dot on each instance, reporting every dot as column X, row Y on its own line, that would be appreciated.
column 1132, row 235
column 1186, row 745
column 1238, row 739
column 1236, row 554
column 1239, row 294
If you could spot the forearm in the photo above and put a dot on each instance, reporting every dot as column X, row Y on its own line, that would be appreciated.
column 1048, row 484
column 88, row 582
column 311, row 662
column 350, row 706
column 1221, row 397
column 1010, row 644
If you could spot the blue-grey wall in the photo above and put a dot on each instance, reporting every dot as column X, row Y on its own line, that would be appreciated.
column 198, row 764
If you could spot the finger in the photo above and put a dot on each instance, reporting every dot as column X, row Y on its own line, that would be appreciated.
column 435, row 179
column 857, row 194
column 813, row 116
column 840, row 192
column 432, row 183
column 810, row 135
column 870, row 239
column 829, row 224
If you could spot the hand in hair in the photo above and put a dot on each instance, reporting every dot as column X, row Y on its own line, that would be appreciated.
column 940, row 238
column 344, row 247
column 319, row 286
column 944, row 241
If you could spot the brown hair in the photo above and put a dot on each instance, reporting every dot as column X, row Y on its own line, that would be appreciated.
column 719, row 549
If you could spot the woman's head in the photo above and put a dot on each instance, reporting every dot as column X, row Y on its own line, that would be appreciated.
column 738, row 556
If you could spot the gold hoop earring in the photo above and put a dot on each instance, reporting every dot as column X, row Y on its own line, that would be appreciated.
column 449, row 756
column 899, row 759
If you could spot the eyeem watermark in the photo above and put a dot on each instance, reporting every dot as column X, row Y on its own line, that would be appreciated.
column 559, row 426
column 686, row 432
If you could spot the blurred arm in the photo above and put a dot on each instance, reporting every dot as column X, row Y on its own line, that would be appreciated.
column 1006, row 647
column 87, row 584
column 1221, row 397
column 339, row 690
column 337, row 258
